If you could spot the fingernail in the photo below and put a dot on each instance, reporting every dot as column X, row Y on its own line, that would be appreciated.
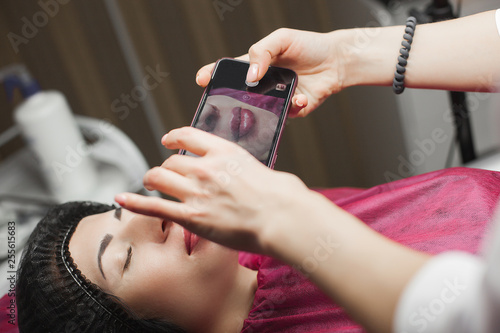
column 198, row 80
column 299, row 104
column 163, row 140
column 120, row 198
column 253, row 71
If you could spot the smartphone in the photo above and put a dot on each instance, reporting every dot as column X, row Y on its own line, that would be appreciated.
column 252, row 116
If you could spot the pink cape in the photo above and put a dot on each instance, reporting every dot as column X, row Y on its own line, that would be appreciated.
column 435, row 212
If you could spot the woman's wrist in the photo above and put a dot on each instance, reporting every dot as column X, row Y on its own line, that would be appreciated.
column 369, row 55
column 309, row 220
column 281, row 226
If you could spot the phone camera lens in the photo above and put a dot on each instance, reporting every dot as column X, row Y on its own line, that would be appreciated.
column 281, row 87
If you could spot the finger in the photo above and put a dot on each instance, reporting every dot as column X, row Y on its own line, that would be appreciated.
column 177, row 212
column 182, row 164
column 299, row 102
column 203, row 75
column 168, row 182
column 154, row 206
column 195, row 141
column 264, row 51
column 243, row 57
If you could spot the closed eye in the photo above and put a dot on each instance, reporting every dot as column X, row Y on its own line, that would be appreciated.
column 129, row 258
column 210, row 119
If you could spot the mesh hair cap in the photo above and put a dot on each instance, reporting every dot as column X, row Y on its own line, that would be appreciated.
column 54, row 296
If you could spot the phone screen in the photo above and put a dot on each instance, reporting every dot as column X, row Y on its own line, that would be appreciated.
column 253, row 117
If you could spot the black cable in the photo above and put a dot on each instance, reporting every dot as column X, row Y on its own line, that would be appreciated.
column 440, row 10
column 451, row 152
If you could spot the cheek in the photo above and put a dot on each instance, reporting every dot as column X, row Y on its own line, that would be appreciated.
column 179, row 287
column 223, row 127
column 153, row 283
column 265, row 124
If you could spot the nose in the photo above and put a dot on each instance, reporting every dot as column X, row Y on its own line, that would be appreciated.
column 142, row 228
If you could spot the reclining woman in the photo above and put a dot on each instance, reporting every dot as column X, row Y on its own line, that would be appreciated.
column 97, row 268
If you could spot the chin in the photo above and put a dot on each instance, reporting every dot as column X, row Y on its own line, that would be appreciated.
column 217, row 263
column 210, row 248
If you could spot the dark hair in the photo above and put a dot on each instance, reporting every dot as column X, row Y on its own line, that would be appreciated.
column 54, row 296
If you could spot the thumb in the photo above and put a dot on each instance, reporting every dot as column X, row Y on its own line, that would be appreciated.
column 264, row 51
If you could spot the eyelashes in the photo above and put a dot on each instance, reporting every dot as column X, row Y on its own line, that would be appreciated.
column 129, row 258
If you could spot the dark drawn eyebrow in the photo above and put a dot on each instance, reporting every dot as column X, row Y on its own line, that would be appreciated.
column 118, row 213
column 104, row 244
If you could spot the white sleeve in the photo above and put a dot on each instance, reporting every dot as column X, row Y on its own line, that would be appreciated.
column 454, row 292
column 497, row 18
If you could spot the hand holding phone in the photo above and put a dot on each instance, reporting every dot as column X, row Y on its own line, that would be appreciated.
column 252, row 116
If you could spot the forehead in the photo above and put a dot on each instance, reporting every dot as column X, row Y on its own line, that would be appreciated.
column 83, row 245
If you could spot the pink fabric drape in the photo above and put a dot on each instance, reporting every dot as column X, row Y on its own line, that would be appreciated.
column 435, row 212
column 443, row 210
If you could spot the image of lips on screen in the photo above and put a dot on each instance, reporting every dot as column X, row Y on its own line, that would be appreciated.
column 250, row 126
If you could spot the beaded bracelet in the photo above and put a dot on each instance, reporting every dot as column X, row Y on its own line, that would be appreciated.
column 398, row 85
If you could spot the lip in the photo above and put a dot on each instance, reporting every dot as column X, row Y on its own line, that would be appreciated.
column 190, row 240
column 242, row 122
